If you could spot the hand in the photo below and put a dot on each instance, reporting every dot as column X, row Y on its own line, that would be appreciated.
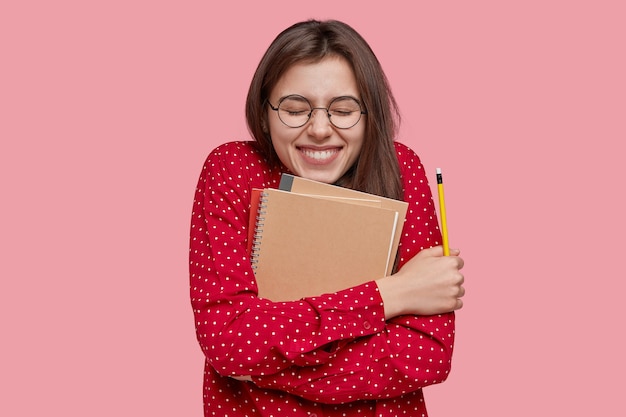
column 430, row 283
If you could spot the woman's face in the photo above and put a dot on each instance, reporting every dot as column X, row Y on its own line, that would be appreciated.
column 317, row 150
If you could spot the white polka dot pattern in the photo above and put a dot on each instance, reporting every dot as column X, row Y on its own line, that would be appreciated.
column 331, row 355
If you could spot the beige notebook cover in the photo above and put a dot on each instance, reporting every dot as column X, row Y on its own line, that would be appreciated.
column 306, row 246
column 301, row 185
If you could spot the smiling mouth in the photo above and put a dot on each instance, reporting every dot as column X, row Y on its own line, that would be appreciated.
column 320, row 156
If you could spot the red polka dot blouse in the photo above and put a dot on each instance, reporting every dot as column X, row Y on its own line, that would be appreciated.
column 331, row 355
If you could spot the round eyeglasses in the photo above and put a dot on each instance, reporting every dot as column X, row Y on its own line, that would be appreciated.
column 295, row 111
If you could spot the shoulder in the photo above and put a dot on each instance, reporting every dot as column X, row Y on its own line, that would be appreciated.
column 239, row 162
column 235, row 157
column 237, row 150
column 405, row 154
column 408, row 160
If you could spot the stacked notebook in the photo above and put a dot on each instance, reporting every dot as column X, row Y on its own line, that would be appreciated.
column 309, row 238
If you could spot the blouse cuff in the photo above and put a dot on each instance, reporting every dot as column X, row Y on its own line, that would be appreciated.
column 351, row 313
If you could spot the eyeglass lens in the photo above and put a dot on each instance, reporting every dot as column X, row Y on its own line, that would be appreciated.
column 295, row 111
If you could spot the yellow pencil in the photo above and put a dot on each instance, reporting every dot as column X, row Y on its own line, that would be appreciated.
column 442, row 209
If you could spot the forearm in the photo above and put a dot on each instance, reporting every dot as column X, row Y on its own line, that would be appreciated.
column 411, row 353
column 253, row 336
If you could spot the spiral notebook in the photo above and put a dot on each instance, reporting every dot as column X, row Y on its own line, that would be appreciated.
column 301, row 185
column 308, row 245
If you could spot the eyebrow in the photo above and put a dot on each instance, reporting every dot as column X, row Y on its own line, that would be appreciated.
column 294, row 96
column 302, row 98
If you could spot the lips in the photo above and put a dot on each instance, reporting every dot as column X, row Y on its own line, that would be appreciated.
column 319, row 156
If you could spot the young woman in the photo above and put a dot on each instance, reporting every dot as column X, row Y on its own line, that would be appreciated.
column 319, row 106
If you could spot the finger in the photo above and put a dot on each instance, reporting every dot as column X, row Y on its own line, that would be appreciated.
column 458, row 291
column 460, row 262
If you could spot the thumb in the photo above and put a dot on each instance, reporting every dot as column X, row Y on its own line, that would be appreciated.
column 437, row 251
column 434, row 251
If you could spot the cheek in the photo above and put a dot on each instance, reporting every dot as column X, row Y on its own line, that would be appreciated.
column 281, row 142
column 356, row 143
column 278, row 131
column 280, row 137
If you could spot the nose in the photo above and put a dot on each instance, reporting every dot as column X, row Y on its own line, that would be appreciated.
column 319, row 124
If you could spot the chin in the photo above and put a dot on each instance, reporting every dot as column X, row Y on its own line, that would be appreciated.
column 325, row 177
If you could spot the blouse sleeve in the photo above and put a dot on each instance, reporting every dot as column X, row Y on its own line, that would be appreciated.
column 239, row 333
column 410, row 352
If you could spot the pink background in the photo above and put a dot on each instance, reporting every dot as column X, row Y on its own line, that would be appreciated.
column 108, row 109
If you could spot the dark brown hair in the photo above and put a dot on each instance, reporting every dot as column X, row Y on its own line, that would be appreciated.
column 376, row 170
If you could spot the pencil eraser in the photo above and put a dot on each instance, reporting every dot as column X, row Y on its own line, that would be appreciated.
column 438, row 170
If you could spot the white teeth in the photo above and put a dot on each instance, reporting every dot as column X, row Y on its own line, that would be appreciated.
column 319, row 155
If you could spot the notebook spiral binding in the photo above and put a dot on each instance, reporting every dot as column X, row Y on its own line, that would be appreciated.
column 258, row 230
